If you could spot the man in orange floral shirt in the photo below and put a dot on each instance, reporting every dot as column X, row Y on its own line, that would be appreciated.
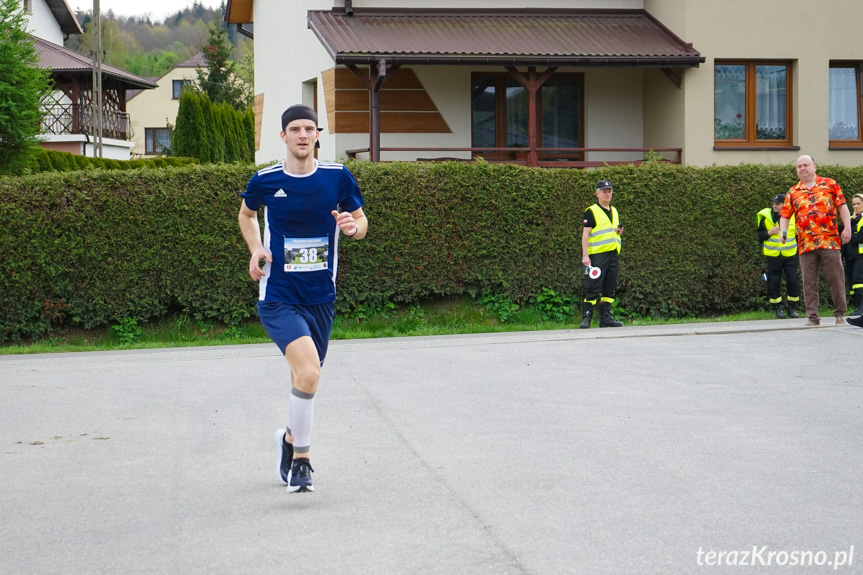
column 815, row 202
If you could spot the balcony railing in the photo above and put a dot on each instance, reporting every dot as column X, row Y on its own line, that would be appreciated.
column 62, row 119
column 546, row 157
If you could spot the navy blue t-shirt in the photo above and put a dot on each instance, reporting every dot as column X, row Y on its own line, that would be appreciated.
column 300, row 230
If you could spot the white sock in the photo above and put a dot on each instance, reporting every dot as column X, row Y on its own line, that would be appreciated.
column 300, row 414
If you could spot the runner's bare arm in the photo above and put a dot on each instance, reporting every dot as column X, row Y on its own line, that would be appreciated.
column 353, row 224
column 251, row 230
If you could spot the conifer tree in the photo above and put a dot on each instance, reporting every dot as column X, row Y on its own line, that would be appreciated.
column 213, row 131
column 249, row 125
column 219, row 80
column 229, row 132
column 23, row 85
column 189, row 139
column 239, row 135
column 233, row 137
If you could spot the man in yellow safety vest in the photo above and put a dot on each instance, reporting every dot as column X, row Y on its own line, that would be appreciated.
column 600, row 247
column 781, row 258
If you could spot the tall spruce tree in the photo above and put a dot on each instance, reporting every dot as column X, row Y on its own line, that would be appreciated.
column 219, row 79
column 23, row 85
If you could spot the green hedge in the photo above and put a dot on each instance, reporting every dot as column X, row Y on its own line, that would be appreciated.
column 56, row 161
column 93, row 248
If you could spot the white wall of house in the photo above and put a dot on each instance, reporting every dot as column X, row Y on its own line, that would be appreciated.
column 664, row 112
column 81, row 145
column 613, row 112
column 809, row 35
column 111, row 149
column 156, row 108
column 287, row 54
column 42, row 23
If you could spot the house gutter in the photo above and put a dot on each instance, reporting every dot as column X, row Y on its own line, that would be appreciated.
column 467, row 60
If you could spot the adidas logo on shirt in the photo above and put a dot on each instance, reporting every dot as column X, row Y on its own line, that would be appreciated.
column 281, row 194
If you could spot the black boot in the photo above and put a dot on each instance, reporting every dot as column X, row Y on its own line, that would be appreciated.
column 605, row 319
column 858, row 303
column 780, row 311
column 586, row 315
column 790, row 308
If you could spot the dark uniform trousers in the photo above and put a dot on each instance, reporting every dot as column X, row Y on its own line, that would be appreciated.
column 778, row 266
column 606, row 284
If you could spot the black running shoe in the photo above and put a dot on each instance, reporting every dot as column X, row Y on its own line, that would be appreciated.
column 286, row 454
column 300, row 478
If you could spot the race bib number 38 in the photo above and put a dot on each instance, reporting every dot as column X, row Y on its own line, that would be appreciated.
column 306, row 254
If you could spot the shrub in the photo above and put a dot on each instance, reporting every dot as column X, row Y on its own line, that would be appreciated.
column 99, row 247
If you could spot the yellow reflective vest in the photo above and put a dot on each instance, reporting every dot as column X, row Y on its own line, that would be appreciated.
column 859, row 227
column 604, row 237
column 773, row 245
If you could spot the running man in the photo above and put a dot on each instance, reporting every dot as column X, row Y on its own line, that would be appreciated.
column 306, row 204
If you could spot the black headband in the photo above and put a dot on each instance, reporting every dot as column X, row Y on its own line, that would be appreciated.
column 298, row 112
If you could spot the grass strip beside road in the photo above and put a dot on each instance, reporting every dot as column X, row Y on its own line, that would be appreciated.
column 448, row 317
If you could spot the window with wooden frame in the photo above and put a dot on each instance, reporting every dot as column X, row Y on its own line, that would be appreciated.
column 157, row 140
column 177, row 87
column 846, row 104
column 499, row 114
column 752, row 104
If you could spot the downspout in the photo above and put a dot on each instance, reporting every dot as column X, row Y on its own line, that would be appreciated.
column 376, row 110
column 86, row 141
column 349, row 9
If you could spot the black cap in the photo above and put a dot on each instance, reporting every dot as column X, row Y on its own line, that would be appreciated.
column 779, row 199
column 298, row 112
column 602, row 184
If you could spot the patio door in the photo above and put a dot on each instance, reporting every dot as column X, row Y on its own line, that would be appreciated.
column 499, row 115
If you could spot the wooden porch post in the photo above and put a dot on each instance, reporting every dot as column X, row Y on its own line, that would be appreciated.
column 532, row 84
column 75, row 94
column 377, row 76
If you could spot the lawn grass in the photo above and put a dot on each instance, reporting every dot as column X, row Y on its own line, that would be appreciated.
column 439, row 317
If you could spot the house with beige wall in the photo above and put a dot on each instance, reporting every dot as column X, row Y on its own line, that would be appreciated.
column 72, row 112
column 154, row 112
column 563, row 83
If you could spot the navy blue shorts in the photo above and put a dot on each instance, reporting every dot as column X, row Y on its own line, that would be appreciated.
column 286, row 322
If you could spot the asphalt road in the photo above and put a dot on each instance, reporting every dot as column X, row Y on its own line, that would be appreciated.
column 639, row 450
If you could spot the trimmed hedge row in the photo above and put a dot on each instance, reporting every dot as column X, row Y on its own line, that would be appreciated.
column 94, row 248
column 56, row 161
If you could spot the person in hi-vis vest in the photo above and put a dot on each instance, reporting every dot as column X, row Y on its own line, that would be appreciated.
column 781, row 258
column 600, row 248
column 852, row 253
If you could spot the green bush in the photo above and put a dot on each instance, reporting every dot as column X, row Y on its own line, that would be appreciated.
column 105, row 247
column 553, row 307
column 55, row 161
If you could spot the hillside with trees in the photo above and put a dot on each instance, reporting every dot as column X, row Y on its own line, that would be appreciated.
column 149, row 48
